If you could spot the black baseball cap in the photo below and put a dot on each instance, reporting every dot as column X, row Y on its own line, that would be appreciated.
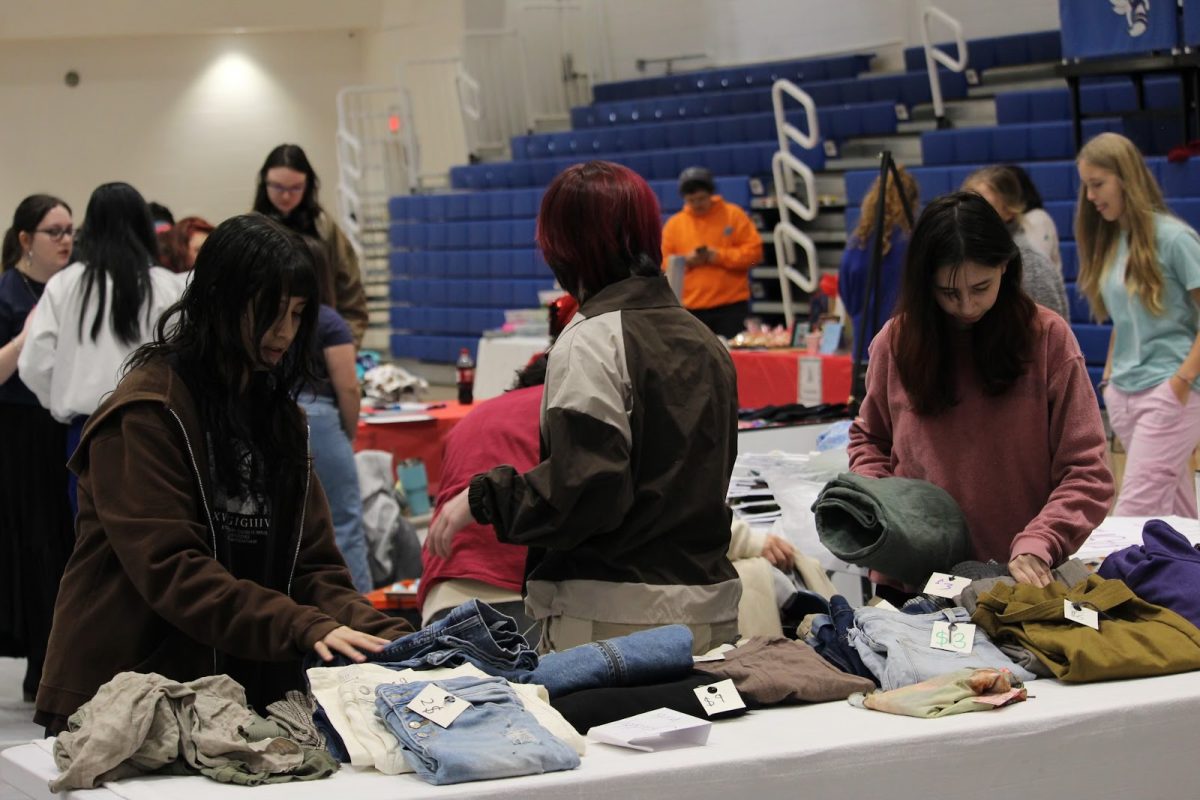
column 695, row 179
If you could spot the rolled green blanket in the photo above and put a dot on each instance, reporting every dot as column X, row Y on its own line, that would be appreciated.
column 902, row 527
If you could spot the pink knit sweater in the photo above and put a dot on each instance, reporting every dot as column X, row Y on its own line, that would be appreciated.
column 1027, row 468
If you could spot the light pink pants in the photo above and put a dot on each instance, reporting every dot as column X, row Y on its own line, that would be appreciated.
column 1158, row 435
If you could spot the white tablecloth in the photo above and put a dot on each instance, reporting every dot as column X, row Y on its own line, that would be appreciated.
column 1123, row 740
column 499, row 359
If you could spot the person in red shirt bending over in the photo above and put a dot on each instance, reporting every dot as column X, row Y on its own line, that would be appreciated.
column 502, row 430
column 976, row 389
column 719, row 245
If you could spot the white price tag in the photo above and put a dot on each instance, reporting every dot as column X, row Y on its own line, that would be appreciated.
column 438, row 705
column 943, row 585
column 956, row 637
column 884, row 605
column 1084, row 616
column 719, row 697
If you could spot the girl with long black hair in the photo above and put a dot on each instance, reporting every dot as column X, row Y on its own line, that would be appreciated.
column 287, row 192
column 97, row 311
column 205, row 544
column 976, row 389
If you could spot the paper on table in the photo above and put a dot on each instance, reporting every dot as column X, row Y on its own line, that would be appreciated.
column 654, row 730
column 392, row 417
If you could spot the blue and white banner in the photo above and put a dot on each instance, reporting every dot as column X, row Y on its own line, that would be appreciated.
column 1092, row 28
column 1191, row 23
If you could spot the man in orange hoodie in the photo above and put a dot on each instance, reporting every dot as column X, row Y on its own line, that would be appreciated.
column 719, row 245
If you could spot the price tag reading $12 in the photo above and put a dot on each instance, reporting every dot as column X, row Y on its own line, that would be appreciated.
column 956, row 637
column 437, row 705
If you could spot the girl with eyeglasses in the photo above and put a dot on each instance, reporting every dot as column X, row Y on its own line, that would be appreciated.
column 97, row 311
column 36, row 532
column 287, row 192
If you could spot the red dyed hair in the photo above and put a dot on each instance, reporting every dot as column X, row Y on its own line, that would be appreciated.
column 173, row 242
column 599, row 223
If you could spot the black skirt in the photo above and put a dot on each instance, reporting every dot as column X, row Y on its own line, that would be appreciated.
column 37, row 530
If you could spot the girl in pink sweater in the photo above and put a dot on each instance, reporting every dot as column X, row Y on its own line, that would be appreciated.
column 977, row 389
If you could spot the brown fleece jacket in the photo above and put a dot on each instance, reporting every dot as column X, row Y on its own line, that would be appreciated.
column 143, row 590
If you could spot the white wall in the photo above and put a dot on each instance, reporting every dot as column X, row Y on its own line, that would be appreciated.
column 187, row 119
column 424, row 31
column 743, row 31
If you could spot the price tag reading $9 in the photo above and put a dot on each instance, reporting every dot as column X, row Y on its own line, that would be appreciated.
column 956, row 637
column 437, row 705
column 718, row 697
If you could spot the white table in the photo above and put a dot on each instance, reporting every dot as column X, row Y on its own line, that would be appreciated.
column 1104, row 741
column 498, row 359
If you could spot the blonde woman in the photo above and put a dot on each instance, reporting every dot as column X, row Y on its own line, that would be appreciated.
column 1140, row 267
column 1041, row 280
column 856, row 260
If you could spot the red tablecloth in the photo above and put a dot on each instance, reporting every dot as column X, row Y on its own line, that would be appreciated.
column 772, row 377
column 421, row 440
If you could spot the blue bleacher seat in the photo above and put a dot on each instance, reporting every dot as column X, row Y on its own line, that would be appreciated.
column 1080, row 311
column 1034, row 141
column 904, row 89
column 1110, row 96
column 1093, row 341
column 1070, row 260
column 998, row 51
column 724, row 79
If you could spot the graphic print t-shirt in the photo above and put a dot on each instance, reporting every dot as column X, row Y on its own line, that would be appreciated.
column 242, row 520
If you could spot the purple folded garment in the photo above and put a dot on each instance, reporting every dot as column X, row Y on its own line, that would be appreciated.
column 1163, row 570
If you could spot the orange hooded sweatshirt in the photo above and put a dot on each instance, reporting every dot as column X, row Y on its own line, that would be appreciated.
column 725, row 229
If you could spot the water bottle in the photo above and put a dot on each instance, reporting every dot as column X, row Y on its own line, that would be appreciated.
column 466, row 377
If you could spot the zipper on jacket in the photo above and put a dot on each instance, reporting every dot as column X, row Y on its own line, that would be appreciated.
column 212, row 531
column 303, row 505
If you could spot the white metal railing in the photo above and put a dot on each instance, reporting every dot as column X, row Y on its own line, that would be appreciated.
column 560, row 49
column 785, row 169
column 442, row 97
column 468, row 101
column 374, row 157
column 934, row 56
column 497, row 59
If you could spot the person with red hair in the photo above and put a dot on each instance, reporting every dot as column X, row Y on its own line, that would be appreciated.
column 179, row 244
column 625, row 515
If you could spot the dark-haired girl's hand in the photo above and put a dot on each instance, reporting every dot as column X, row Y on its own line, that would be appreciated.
column 1028, row 568
column 350, row 643
column 452, row 517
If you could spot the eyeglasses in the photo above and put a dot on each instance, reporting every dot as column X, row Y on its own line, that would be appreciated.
column 57, row 234
column 279, row 188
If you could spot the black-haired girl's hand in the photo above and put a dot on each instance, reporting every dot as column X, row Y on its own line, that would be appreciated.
column 348, row 642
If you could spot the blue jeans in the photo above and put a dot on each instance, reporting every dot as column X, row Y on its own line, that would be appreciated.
column 896, row 647
column 652, row 656
column 475, row 633
column 494, row 738
column 74, row 433
column 829, row 637
column 334, row 460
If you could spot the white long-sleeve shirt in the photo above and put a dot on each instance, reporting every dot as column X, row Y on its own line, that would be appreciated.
column 69, row 374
